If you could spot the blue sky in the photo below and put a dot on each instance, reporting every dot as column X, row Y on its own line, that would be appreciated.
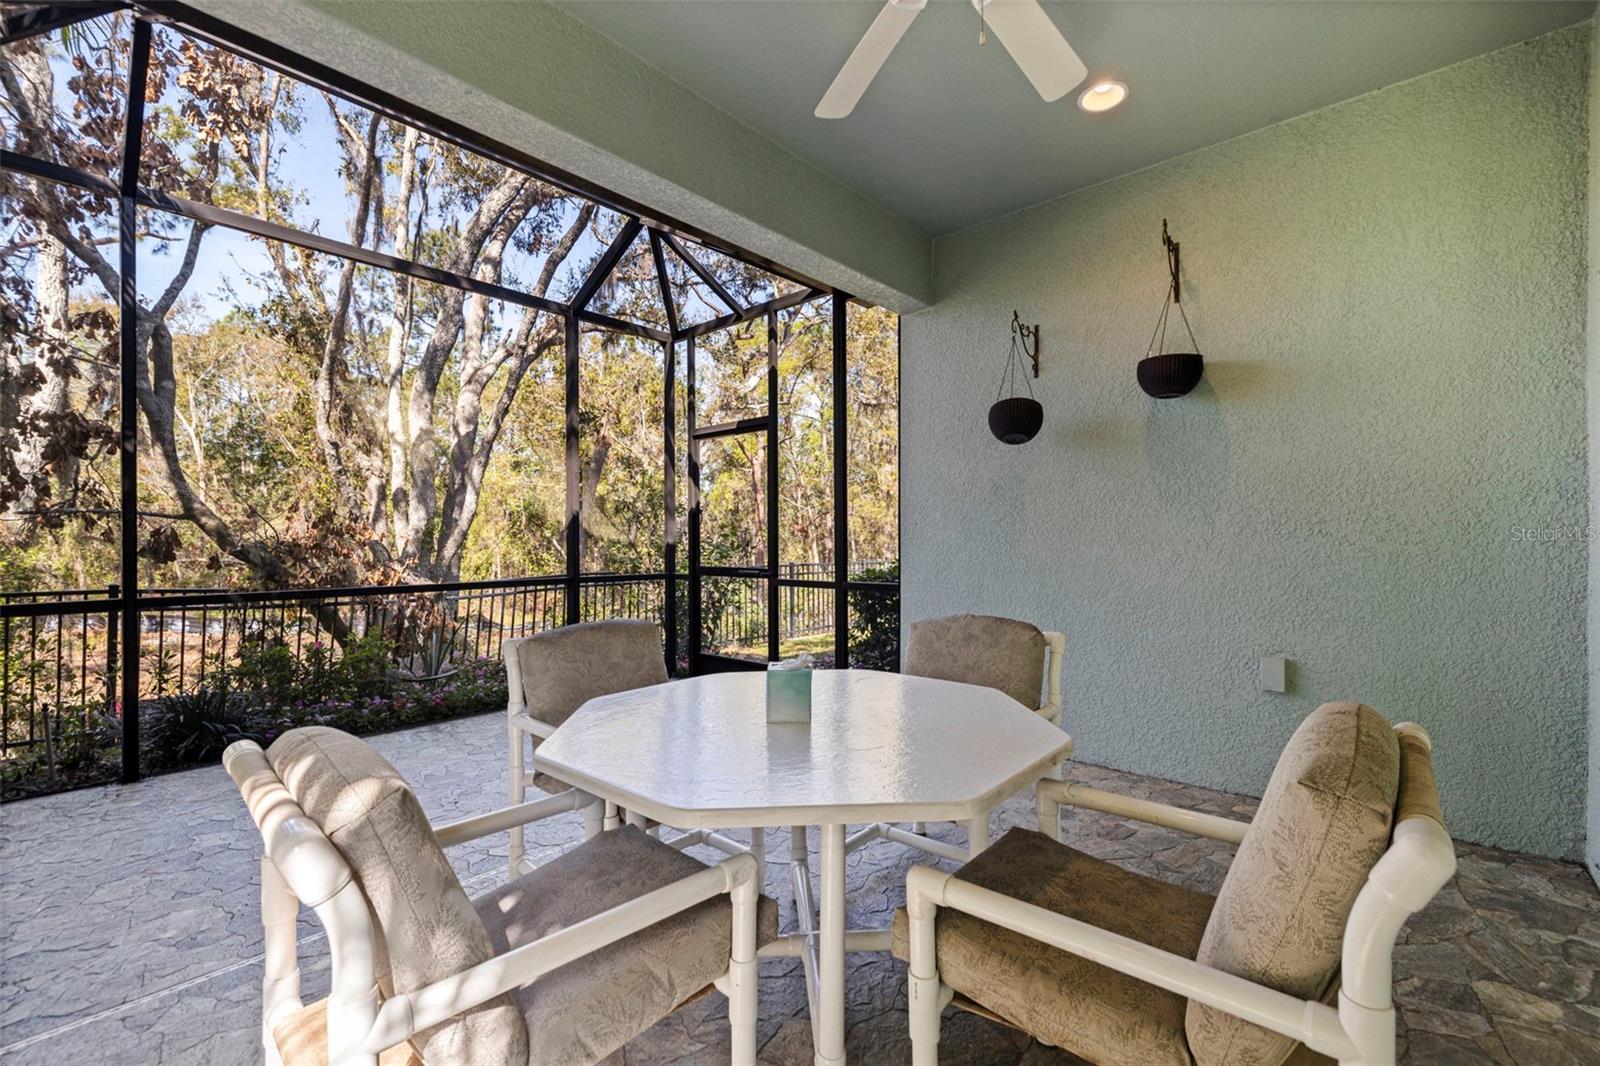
column 308, row 161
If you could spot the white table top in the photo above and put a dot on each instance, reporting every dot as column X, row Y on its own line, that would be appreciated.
column 699, row 754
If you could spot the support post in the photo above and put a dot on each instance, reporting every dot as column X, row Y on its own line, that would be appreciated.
column 774, row 548
column 669, row 484
column 128, row 399
column 574, row 537
column 841, row 480
column 693, row 459
column 669, row 492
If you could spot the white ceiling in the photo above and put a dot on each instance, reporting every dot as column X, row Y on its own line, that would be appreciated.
column 951, row 133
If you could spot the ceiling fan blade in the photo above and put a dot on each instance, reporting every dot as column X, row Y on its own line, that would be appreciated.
column 870, row 53
column 1037, row 46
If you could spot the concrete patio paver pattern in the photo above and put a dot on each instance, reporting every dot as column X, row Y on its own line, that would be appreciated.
column 129, row 928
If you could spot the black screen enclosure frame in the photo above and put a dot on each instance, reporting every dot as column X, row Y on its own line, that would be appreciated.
column 127, row 601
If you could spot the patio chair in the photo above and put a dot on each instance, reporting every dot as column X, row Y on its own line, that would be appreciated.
column 563, row 965
column 1290, row 963
column 550, row 675
column 998, row 653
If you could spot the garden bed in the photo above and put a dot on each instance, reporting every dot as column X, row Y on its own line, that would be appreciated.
column 185, row 731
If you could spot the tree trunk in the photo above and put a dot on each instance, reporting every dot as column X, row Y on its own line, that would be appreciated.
column 589, row 491
column 39, row 409
column 335, row 430
column 422, row 449
column 394, row 424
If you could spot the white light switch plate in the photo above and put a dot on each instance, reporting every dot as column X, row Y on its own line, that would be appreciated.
column 1275, row 674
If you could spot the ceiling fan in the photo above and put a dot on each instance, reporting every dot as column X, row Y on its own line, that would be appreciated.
column 1022, row 26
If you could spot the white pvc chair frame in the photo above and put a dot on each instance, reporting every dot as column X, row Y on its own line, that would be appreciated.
column 1055, row 653
column 1360, row 1031
column 521, row 727
column 301, row 865
column 977, row 835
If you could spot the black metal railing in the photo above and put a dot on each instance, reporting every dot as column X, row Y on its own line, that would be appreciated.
column 60, row 650
column 58, row 665
column 735, row 611
column 190, row 638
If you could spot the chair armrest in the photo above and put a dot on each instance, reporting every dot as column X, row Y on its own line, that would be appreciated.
column 483, row 825
column 528, row 724
column 403, row 1015
column 1314, row 1024
column 1056, row 647
column 1050, row 794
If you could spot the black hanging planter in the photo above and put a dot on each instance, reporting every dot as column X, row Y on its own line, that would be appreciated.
column 1168, row 375
column 1016, row 419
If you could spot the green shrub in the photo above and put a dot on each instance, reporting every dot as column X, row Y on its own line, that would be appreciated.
column 266, row 666
column 195, row 728
column 270, row 672
column 84, row 750
column 875, row 622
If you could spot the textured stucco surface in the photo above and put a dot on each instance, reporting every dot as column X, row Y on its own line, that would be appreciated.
column 1592, row 846
column 1390, row 294
column 540, row 80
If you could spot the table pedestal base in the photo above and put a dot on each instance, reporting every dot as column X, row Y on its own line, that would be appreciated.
column 821, row 941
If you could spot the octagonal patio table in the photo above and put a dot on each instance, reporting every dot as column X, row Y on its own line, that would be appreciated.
column 699, row 754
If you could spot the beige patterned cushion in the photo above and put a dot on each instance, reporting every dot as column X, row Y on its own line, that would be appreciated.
column 980, row 649
column 302, row 1040
column 1323, row 822
column 424, row 925
column 1084, row 1008
column 588, row 1008
column 563, row 669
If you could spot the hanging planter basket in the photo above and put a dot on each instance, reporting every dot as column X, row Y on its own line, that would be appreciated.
column 1171, row 375
column 1016, row 419
column 1162, row 374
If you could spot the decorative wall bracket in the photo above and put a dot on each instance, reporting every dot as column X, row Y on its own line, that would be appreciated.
column 1016, row 419
column 1164, row 374
column 1027, row 339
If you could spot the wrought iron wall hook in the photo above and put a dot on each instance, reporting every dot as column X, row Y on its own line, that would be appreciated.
column 1172, row 259
column 1165, row 374
column 1015, row 419
column 1028, row 338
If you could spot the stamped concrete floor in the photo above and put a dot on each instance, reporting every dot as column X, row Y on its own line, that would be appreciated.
column 129, row 935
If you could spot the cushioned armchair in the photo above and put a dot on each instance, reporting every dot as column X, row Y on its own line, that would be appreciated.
column 560, row 966
column 997, row 653
column 1289, row 963
column 550, row 675
column 1000, row 653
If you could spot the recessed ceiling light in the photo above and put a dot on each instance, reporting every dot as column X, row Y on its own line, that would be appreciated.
column 1103, row 95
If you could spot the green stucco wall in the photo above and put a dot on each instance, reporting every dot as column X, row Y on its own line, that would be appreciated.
column 1592, row 848
column 534, row 77
column 1382, row 476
